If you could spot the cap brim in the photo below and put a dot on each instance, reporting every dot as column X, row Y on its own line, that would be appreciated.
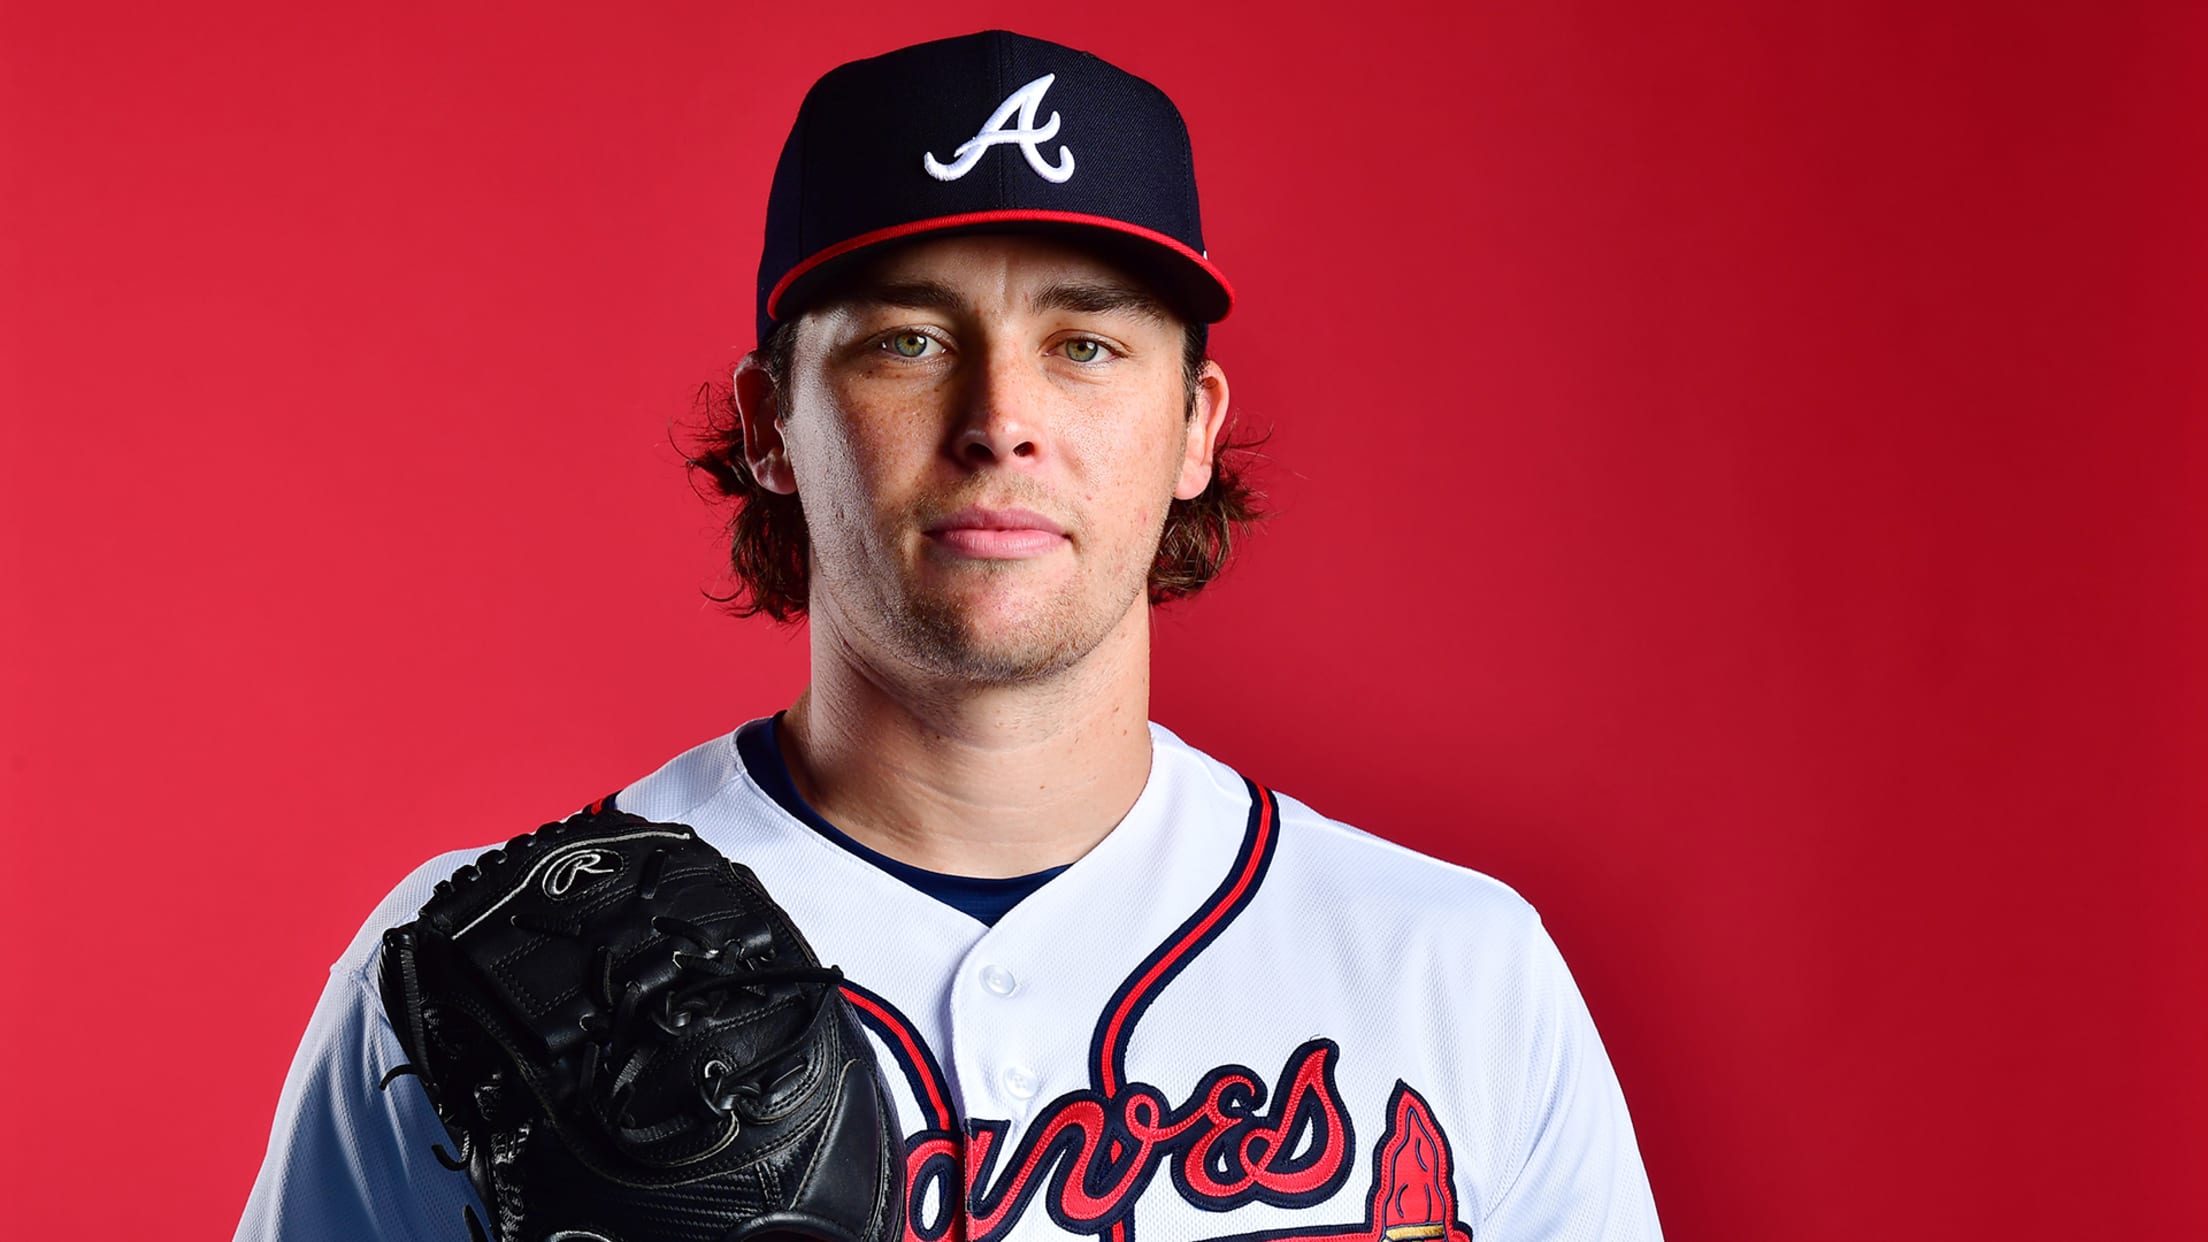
column 1183, row 277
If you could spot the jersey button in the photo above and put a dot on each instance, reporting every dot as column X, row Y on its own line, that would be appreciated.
column 998, row 980
column 1020, row 1081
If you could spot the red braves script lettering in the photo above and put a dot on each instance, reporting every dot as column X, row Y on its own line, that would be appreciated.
column 1091, row 1156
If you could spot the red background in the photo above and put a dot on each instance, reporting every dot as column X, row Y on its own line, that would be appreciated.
column 1737, row 471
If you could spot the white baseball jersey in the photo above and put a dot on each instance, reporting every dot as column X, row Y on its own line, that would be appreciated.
column 1232, row 1019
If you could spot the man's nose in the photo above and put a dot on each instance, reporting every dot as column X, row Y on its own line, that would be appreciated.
column 1001, row 417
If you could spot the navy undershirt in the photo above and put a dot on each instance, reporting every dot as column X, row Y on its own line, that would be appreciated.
column 987, row 900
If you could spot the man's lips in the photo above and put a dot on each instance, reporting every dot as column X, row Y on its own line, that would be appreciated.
column 996, row 534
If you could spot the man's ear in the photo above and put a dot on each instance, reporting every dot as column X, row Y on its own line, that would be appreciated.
column 758, row 408
column 1204, row 425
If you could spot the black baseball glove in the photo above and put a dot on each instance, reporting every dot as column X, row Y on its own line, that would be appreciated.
column 627, row 1040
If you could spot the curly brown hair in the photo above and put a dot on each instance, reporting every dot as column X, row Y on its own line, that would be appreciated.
column 770, row 550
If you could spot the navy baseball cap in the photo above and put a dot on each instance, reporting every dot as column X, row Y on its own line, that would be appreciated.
column 989, row 132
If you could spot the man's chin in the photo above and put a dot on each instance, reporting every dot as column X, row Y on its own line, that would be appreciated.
column 998, row 664
column 975, row 650
column 999, row 638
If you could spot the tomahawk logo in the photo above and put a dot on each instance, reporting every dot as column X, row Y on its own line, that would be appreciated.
column 1027, row 101
column 561, row 878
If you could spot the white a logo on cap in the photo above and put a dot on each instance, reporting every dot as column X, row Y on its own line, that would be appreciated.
column 1026, row 101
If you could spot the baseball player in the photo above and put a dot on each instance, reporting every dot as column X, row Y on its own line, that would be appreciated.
column 1117, row 988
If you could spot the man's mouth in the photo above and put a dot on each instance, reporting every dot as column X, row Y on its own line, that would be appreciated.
column 996, row 534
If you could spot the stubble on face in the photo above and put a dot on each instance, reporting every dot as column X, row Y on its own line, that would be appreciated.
column 941, row 630
column 976, row 621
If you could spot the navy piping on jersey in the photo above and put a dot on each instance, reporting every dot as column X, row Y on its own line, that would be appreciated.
column 984, row 899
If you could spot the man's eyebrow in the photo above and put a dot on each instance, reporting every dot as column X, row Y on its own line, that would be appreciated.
column 907, row 295
column 1099, row 298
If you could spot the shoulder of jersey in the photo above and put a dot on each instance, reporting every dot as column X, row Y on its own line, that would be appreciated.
column 1325, row 856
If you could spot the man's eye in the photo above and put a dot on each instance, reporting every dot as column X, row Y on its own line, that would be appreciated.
column 909, row 344
column 1084, row 350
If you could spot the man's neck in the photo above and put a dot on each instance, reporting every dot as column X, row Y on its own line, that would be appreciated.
column 974, row 780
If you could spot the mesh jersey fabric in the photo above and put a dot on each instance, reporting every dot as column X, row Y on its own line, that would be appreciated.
column 1394, row 969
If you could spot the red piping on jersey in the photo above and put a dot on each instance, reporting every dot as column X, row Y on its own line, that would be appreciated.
column 904, row 1035
column 1250, row 868
column 965, row 219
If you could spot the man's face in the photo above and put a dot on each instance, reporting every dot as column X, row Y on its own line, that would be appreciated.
column 986, row 434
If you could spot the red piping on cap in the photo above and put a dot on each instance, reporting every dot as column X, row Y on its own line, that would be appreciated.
column 937, row 223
